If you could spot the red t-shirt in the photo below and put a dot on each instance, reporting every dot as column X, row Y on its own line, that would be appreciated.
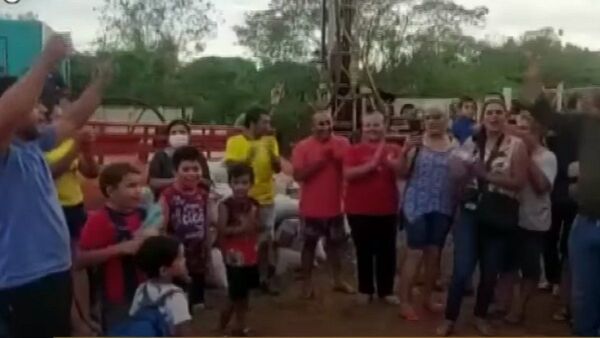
column 239, row 250
column 375, row 193
column 321, row 194
column 99, row 232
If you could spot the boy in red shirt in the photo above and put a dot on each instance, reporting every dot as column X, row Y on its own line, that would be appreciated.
column 185, row 205
column 317, row 162
column 238, row 227
column 110, row 239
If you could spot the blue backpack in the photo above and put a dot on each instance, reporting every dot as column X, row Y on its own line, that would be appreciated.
column 148, row 321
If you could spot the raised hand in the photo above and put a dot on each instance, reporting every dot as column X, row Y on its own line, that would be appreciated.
column 103, row 73
column 56, row 50
column 412, row 141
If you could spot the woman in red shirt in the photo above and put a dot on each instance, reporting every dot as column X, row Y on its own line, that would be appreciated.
column 371, row 203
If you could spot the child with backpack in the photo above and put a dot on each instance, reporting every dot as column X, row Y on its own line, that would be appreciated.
column 238, row 234
column 159, row 308
column 185, row 210
column 110, row 239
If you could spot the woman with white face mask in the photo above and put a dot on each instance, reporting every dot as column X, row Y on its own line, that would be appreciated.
column 161, row 167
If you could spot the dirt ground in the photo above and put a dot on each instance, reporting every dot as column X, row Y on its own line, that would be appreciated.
column 332, row 314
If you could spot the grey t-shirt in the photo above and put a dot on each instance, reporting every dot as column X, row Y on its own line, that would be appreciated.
column 535, row 210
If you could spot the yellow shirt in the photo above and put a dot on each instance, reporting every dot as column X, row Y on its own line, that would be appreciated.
column 237, row 150
column 69, row 184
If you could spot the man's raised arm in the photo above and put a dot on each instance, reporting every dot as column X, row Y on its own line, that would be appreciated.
column 80, row 111
column 20, row 99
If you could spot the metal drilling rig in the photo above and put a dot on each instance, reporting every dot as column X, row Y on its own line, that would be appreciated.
column 340, row 53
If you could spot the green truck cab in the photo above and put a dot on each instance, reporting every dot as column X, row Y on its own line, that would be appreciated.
column 21, row 42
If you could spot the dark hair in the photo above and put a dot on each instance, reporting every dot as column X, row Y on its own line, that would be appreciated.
column 406, row 107
column 187, row 153
column 178, row 123
column 6, row 82
column 113, row 174
column 492, row 101
column 155, row 253
column 253, row 115
column 480, row 138
column 498, row 94
column 240, row 170
column 50, row 98
column 466, row 99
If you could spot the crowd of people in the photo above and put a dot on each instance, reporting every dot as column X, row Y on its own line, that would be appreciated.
column 503, row 185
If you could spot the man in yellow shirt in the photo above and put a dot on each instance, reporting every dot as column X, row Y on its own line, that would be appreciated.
column 256, row 147
column 68, row 162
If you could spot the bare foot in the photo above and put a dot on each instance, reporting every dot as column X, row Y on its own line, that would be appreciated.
column 445, row 329
column 483, row 326
column 514, row 318
column 434, row 307
column 343, row 287
column 408, row 313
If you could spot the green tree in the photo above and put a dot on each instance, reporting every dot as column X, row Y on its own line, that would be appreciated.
column 180, row 25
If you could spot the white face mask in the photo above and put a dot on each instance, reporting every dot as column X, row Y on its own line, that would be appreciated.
column 179, row 140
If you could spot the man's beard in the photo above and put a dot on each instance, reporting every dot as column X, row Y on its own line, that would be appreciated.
column 30, row 133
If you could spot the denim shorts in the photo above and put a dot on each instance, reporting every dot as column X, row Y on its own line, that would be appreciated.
column 428, row 230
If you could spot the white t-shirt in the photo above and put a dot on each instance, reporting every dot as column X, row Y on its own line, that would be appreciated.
column 535, row 210
column 175, row 308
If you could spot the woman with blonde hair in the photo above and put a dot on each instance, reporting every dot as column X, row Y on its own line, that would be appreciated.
column 428, row 207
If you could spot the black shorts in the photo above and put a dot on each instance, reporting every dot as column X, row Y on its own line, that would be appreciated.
column 525, row 255
column 76, row 218
column 332, row 229
column 242, row 279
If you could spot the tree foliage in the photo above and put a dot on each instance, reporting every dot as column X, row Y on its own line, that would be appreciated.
column 418, row 46
column 178, row 25
column 290, row 30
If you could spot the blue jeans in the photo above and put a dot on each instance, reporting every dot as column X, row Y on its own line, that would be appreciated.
column 464, row 235
column 475, row 242
column 584, row 257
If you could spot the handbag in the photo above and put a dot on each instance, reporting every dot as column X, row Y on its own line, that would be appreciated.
column 496, row 211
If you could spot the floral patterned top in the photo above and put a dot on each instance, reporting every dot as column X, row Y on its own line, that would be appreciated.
column 429, row 187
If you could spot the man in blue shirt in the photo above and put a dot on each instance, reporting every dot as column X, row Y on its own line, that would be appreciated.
column 464, row 123
column 35, row 280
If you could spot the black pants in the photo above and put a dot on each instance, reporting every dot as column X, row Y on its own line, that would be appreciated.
column 375, row 241
column 494, row 248
column 196, row 290
column 555, row 247
column 40, row 309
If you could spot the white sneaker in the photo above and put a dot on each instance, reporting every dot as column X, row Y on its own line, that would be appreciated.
column 391, row 300
column 556, row 290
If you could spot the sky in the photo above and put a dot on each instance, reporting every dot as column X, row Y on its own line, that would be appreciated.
column 577, row 18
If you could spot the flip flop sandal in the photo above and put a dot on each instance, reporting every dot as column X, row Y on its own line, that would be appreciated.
column 409, row 315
